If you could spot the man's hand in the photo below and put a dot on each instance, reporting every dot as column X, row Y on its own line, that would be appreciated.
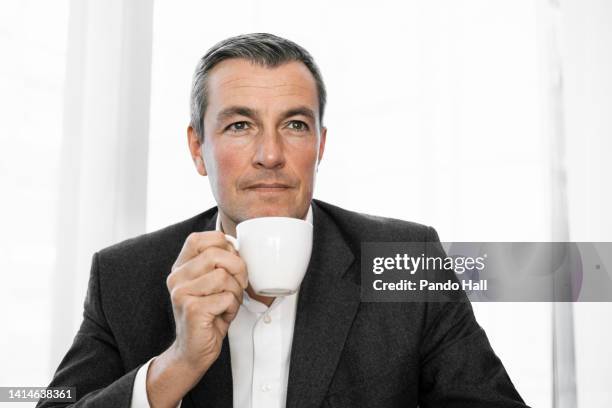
column 206, row 287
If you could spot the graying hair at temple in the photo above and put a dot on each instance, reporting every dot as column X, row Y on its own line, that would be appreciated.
column 265, row 49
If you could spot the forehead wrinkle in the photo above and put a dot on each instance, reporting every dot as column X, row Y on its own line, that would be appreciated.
column 287, row 94
column 229, row 82
column 266, row 86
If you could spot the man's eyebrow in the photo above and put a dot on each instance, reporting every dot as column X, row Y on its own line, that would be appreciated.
column 301, row 110
column 236, row 110
column 251, row 113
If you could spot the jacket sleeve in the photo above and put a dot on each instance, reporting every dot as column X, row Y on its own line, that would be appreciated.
column 458, row 366
column 93, row 364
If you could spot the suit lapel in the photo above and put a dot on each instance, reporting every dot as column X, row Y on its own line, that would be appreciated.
column 327, row 304
column 215, row 389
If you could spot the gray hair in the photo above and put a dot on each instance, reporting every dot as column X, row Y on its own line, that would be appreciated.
column 265, row 49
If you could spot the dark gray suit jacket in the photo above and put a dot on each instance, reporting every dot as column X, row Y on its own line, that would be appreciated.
column 345, row 353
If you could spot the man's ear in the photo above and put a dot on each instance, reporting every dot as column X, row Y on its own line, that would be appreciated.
column 195, row 148
column 322, row 144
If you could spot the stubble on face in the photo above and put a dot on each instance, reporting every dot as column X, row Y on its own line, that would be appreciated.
column 266, row 168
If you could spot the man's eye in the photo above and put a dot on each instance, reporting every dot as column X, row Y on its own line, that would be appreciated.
column 238, row 126
column 298, row 125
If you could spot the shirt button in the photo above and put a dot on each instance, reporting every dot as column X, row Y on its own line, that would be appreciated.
column 266, row 387
column 267, row 318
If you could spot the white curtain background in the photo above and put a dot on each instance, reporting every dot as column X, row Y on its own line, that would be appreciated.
column 586, row 31
column 33, row 43
column 439, row 112
column 103, row 171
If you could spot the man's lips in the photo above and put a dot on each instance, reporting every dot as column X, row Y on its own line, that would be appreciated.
column 268, row 187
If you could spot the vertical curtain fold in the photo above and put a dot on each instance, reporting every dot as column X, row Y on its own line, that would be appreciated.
column 104, row 148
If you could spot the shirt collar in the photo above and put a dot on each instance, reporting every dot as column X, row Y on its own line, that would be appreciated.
column 308, row 218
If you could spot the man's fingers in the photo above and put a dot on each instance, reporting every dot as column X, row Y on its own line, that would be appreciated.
column 220, row 304
column 216, row 281
column 198, row 242
column 212, row 258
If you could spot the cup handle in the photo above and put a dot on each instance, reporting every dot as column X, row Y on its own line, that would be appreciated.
column 233, row 241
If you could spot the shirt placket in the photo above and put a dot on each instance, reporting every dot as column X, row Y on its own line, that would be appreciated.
column 267, row 358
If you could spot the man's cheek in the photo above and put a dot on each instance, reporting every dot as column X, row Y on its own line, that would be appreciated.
column 229, row 171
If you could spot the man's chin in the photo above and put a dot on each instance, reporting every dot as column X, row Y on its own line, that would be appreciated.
column 258, row 210
column 271, row 212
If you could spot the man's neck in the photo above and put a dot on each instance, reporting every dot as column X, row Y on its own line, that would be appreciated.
column 228, row 226
column 266, row 300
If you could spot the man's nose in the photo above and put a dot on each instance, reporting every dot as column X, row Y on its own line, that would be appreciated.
column 269, row 153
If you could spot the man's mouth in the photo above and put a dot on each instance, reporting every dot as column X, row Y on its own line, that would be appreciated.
column 268, row 187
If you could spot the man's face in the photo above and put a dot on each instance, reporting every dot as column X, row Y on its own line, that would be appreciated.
column 262, row 139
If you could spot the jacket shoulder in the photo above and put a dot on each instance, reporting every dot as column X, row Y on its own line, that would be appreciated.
column 366, row 227
column 130, row 275
column 164, row 241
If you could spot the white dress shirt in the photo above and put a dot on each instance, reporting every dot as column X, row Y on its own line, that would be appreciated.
column 260, row 339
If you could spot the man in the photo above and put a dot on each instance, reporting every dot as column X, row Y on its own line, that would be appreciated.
column 170, row 317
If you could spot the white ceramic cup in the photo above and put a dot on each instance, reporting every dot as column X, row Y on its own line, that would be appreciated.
column 276, row 251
